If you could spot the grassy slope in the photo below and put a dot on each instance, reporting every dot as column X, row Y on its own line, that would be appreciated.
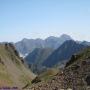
column 47, row 75
column 13, row 72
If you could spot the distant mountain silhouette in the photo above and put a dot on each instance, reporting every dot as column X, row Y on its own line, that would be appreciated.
column 64, row 52
column 85, row 43
column 41, row 59
column 37, row 57
column 28, row 45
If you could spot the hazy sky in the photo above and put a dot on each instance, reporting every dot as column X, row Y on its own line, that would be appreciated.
column 42, row 18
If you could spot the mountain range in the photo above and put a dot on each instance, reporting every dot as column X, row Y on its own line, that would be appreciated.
column 63, row 53
column 26, row 46
column 37, row 57
column 52, row 52
column 41, row 59
column 60, row 60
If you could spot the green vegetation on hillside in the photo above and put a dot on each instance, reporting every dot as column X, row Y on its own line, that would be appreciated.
column 46, row 75
column 13, row 72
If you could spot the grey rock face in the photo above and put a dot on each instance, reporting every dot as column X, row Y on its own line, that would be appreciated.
column 28, row 45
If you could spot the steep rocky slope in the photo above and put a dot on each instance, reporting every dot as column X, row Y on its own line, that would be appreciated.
column 13, row 72
column 75, row 75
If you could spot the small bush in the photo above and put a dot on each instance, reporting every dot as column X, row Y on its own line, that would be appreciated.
column 36, row 80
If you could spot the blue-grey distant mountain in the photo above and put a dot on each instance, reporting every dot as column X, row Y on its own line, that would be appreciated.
column 85, row 43
column 28, row 45
column 64, row 52
column 37, row 57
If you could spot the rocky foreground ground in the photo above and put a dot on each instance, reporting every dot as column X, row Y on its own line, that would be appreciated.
column 74, row 77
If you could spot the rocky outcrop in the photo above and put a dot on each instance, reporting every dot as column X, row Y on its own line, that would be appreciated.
column 78, row 75
column 75, row 76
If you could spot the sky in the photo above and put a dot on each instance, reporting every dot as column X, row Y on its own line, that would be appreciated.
column 42, row 18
